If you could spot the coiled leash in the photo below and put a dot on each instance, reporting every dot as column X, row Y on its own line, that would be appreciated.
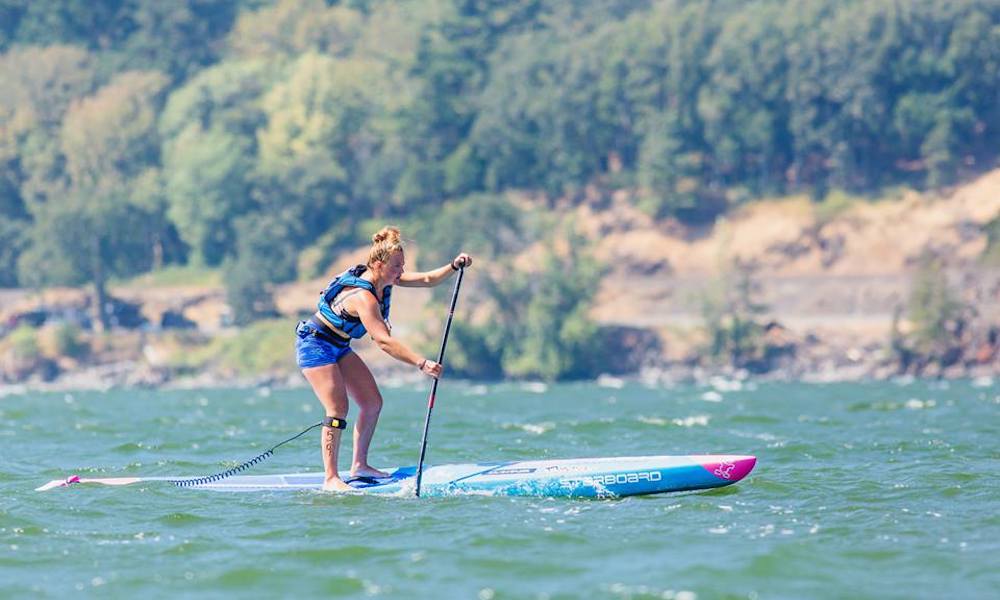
column 329, row 422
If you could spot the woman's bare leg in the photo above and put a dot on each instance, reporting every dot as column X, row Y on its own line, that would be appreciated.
column 363, row 389
column 328, row 384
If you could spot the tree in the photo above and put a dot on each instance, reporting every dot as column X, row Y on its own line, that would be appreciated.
column 64, row 21
column 111, row 136
column 174, row 37
column 102, row 224
column 322, row 130
column 12, row 242
column 937, row 315
column 205, row 175
column 450, row 71
column 551, row 334
column 209, row 151
column 37, row 87
column 265, row 254
column 89, row 236
column 289, row 28
column 671, row 175
column 177, row 37
column 225, row 96
column 731, row 314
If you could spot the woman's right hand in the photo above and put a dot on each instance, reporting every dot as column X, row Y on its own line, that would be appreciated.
column 430, row 368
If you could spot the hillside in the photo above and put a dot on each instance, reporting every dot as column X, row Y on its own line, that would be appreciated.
column 834, row 279
column 845, row 274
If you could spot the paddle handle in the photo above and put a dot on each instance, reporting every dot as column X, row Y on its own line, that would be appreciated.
column 434, row 387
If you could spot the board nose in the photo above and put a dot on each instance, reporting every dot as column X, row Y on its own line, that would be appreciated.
column 731, row 468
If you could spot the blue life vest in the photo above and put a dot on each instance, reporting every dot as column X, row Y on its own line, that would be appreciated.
column 350, row 325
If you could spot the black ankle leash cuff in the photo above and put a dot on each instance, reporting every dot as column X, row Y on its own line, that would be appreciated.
column 334, row 422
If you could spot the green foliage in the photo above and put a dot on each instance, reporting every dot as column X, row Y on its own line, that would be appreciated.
column 265, row 254
column 68, row 341
column 171, row 36
column 991, row 254
column 138, row 134
column 12, row 242
column 475, row 351
column 835, row 203
column 225, row 97
column 101, row 218
column 544, row 323
column 933, row 309
column 486, row 225
column 322, row 127
column 205, row 176
column 259, row 348
column 37, row 87
column 295, row 27
column 384, row 107
column 174, row 276
column 731, row 315
column 23, row 342
column 111, row 137
column 670, row 176
column 60, row 21
column 89, row 236
column 539, row 325
column 208, row 128
column 174, row 37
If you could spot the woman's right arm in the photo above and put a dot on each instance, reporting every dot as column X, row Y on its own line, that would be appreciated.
column 368, row 312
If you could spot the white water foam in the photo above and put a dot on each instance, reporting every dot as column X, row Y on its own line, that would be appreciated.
column 610, row 381
column 712, row 396
column 692, row 421
column 532, row 428
column 535, row 387
column 982, row 382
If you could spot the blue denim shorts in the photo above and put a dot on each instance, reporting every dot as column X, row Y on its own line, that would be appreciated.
column 311, row 350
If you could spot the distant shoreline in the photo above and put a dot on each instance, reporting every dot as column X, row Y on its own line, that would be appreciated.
column 111, row 377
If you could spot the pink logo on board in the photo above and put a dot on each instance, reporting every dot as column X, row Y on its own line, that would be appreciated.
column 731, row 470
column 724, row 470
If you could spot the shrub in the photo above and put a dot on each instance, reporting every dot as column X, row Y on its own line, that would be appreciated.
column 935, row 312
column 24, row 343
column 731, row 317
column 259, row 348
column 62, row 339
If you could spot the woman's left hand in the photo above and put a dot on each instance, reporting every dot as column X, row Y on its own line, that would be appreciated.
column 461, row 261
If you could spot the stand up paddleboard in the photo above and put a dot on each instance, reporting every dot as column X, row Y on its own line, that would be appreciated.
column 576, row 478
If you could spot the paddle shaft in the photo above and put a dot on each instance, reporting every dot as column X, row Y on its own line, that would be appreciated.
column 430, row 400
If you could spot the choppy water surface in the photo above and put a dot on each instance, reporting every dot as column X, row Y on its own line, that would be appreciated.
column 884, row 490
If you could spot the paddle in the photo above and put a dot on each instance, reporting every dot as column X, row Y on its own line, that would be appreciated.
column 430, row 400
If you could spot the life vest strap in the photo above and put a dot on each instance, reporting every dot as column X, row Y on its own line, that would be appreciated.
column 325, row 328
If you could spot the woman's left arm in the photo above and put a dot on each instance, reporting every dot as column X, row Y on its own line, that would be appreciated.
column 432, row 278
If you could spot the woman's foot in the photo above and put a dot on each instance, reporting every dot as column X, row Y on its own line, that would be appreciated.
column 368, row 471
column 336, row 484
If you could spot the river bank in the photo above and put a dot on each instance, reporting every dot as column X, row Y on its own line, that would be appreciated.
column 852, row 368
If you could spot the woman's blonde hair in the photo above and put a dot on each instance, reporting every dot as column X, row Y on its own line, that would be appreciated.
column 384, row 244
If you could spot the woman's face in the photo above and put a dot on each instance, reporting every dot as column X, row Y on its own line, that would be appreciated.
column 393, row 268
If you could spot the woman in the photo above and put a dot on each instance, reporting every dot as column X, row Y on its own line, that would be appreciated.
column 356, row 302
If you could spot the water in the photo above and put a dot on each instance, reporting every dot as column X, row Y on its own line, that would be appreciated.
column 879, row 490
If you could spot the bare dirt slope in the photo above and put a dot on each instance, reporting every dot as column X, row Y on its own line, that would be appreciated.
column 842, row 274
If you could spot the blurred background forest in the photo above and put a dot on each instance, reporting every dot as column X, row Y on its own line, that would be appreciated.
column 250, row 143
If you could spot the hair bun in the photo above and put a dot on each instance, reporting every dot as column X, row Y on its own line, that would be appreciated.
column 389, row 234
column 384, row 244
